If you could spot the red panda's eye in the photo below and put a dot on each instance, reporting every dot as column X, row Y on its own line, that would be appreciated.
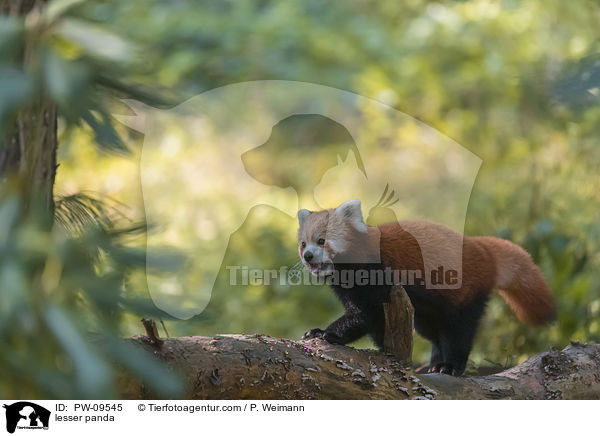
column 303, row 244
column 321, row 241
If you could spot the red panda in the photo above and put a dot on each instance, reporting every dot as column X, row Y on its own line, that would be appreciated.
column 336, row 241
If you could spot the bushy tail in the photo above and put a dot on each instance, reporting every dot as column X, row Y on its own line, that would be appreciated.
column 520, row 282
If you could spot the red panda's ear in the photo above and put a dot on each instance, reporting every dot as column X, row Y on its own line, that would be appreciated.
column 302, row 215
column 350, row 212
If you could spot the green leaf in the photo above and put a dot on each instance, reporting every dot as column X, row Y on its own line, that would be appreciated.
column 97, row 41
column 16, row 88
column 67, row 83
column 13, row 293
column 105, row 134
column 93, row 374
column 159, row 98
column 11, row 37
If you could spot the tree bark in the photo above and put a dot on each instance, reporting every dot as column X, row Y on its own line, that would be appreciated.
column 261, row 367
column 28, row 148
column 399, row 325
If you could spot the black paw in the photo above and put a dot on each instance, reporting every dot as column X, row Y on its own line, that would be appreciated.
column 445, row 368
column 434, row 368
column 330, row 337
column 314, row 333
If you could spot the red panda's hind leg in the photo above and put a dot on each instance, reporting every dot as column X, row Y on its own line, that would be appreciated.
column 455, row 352
column 456, row 339
column 436, row 358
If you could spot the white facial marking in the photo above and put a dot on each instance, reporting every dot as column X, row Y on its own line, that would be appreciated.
column 320, row 264
column 337, row 245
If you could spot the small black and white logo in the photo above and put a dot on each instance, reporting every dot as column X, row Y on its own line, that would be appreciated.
column 26, row 415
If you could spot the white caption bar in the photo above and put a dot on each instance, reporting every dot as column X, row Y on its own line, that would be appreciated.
column 248, row 417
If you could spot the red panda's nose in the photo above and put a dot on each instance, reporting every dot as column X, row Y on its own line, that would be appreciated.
column 308, row 256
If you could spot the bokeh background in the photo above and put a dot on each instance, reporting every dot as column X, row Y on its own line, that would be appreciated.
column 514, row 82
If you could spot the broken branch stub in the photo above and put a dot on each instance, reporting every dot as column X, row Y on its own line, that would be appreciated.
column 398, row 337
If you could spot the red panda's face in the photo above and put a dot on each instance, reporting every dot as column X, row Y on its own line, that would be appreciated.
column 329, row 235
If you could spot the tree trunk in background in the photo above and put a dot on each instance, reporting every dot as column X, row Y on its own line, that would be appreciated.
column 265, row 368
column 29, row 153
column 28, row 149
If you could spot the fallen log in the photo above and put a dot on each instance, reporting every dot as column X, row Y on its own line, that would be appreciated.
column 261, row 367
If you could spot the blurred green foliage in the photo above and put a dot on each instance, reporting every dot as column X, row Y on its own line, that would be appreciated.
column 515, row 82
column 62, row 305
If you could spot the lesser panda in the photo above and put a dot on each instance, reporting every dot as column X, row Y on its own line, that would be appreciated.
column 338, row 240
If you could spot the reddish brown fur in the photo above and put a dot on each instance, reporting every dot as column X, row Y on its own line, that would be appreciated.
column 487, row 263
column 519, row 280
